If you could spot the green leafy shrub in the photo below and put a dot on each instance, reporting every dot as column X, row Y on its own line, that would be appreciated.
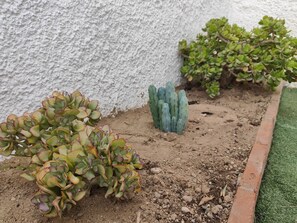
column 169, row 109
column 68, row 153
column 266, row 55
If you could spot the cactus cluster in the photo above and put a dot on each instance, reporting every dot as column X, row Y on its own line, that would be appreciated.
column 169, row 109
column 69, row 153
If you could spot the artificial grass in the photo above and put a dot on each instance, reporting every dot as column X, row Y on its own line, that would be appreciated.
column 277, row 201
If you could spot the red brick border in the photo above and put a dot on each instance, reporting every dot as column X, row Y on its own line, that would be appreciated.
column 243, row 209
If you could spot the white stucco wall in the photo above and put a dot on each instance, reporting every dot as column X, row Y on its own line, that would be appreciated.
column 249, row 12
column 109, row 50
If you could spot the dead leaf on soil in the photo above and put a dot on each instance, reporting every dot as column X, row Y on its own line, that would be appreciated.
column 205, row 199
column 223, row 192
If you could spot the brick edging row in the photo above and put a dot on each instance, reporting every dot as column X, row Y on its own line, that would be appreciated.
column 243, row 208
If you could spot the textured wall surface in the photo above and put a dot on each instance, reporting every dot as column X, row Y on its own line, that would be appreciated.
column 109, row 50
column 249, row 13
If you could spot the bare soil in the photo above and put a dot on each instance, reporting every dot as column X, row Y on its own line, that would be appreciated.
column 187, row 178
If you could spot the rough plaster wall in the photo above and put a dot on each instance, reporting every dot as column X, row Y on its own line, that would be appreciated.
column 109, row 50
column 249, row 12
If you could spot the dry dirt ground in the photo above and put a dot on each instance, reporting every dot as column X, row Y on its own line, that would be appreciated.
column 186, row 178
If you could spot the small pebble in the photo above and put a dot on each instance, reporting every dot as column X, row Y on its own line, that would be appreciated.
column 187, row 198
column 216, row 209
column 173, row 216
column 185, row 210
column 156, row 170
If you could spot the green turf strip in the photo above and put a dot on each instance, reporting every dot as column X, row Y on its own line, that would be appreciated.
column 277, row 201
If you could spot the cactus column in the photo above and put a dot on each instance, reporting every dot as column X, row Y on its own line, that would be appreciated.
column 169, row 109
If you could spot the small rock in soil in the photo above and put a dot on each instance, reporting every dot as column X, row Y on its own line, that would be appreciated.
column 185, row 210
column 205, row 200
column 205, row 188
column 187, row 198
column 228, row 198
column 157, row 195
column 156, row 170
column 216, row 209
column 210, row 215
column 173, row 216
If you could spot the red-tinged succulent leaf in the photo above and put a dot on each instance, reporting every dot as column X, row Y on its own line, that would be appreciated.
column 101, row 171
column 37, row 117
column 75, row 155
column 35, row 131
column 93, row 150
column 128, row 157
column 2, row 134
column 122, row 187
column 50, row 113
column 118, row 143
column 12, row 118
column 46, row 190
column 80, row 195
column 108, row 172
column 89, row 175
column 76, row 146
column 36, row 160
column 63, row 150
column 138, row 166
column 26, row 133
column 71, row 112
column 89, row 130
column 56, row 204
column 82, row 114
column 45, row 155
column 32, row 139
column 3, row 127
column 83, row 138
column 95, row 115
column 78, row 125
column 53, row 141
column 72, row 178
column 109, row 192
column 119, row 195
column 28, row 177
column 120, row 168
column 21, row 122
column 93, row 105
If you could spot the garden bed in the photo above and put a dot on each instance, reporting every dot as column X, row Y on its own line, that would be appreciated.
column 187, row 178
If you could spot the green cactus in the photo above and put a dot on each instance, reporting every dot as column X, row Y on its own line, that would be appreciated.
column 173, row 124
column 153, row 102
column 172, row 108
column 169, row 90
column 173, row 104
column 166, row 119
column 162, row 94
column 183, row 112
column 160, row 110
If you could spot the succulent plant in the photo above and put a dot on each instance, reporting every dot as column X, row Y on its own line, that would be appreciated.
column 68, row 153
column 169, row 109
column 226, row 53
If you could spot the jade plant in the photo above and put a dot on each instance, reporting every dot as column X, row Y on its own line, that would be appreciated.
column 69, row 154
column 169, row 109
column 225, row 53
